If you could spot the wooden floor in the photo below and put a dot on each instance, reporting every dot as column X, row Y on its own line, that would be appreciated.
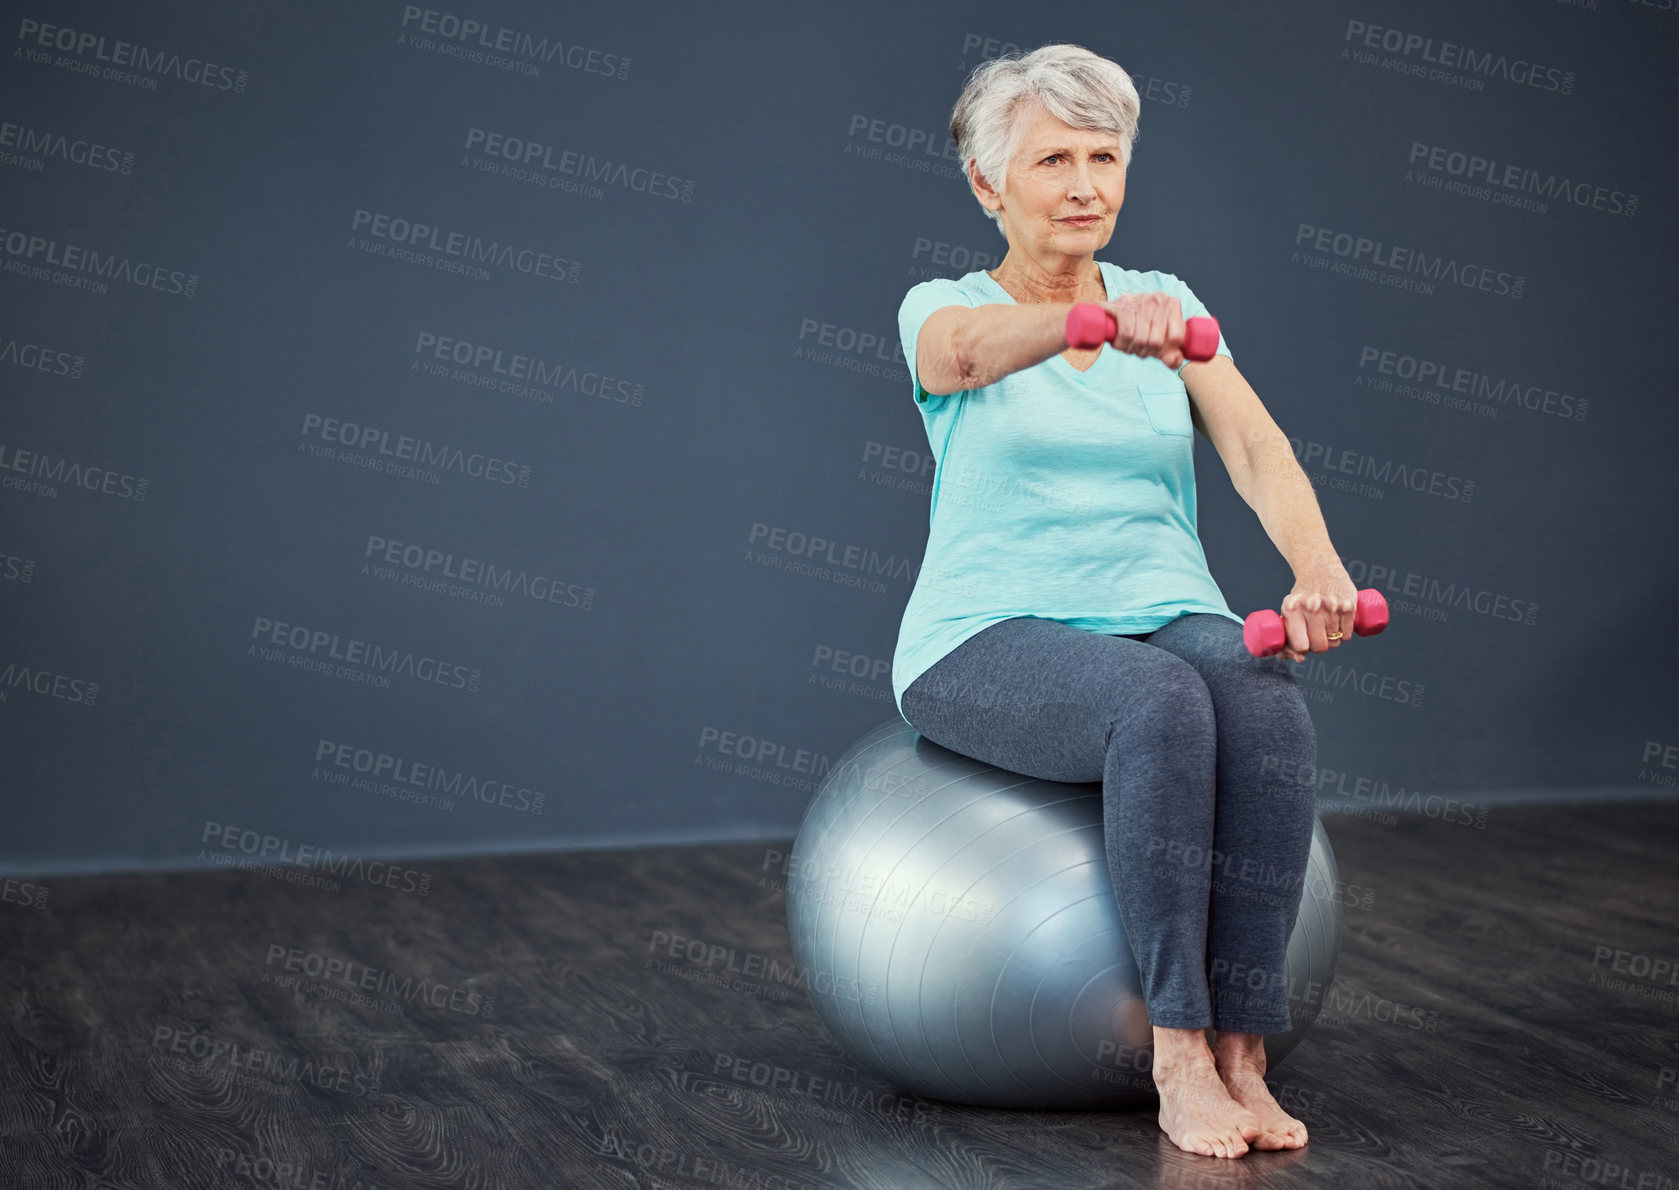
column 613, row 1019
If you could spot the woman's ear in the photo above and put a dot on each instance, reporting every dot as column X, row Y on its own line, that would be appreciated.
column 988, row 197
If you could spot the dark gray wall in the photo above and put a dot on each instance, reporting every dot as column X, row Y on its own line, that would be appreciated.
column 192, row 580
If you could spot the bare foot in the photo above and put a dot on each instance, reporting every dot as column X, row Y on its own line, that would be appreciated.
column 1197, row 1113
column 1240, row 1061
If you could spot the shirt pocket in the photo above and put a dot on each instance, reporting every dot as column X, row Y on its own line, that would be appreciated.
column 1167, row 404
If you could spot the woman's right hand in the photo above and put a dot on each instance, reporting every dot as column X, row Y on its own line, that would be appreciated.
column 1150, row 324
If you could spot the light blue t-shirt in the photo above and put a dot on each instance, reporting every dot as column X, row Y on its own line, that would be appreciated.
column 1059, row 494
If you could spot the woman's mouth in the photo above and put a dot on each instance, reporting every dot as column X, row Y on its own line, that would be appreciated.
column 1083, row 220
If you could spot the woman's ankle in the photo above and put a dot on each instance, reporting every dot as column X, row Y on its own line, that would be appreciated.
column 1246, row 1050
column 1178, row 1050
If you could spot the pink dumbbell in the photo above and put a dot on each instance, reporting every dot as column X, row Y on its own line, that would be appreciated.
column 1263, row 634
column 1090, row 325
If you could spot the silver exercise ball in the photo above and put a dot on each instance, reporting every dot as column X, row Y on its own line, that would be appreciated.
column 958, row 934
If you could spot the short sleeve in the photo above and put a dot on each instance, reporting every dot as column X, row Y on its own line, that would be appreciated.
column 1192, row 308
column 918, row 303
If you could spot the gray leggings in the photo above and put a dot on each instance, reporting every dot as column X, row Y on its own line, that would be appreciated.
column 1205, row 756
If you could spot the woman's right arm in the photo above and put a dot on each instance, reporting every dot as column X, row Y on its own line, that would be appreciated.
column 967, row 347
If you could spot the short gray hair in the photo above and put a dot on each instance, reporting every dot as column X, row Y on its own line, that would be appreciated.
column 1077, row 87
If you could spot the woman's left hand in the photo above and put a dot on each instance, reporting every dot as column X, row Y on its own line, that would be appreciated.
column 1318, row 613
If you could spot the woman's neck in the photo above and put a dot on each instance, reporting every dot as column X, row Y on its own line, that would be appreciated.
column 1028, row 282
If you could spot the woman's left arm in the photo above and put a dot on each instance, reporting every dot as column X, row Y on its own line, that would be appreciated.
column 1263, row 469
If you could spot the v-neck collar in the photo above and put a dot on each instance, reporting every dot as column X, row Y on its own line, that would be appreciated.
column 1058, row 358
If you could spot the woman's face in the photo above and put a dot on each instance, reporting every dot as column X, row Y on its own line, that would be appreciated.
column 1063, row 188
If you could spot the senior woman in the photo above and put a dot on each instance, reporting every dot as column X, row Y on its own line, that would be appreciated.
column 1064, row 623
